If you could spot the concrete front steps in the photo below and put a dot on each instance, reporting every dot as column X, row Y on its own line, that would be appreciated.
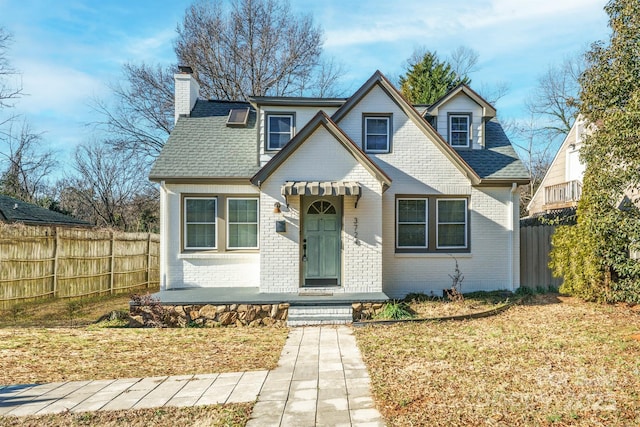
column 319, row 314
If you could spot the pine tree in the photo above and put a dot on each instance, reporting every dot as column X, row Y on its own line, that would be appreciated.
column 429, row 79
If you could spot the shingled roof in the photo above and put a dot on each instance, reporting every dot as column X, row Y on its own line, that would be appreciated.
column 203, row 146
column 498, row 160
column 17, row 211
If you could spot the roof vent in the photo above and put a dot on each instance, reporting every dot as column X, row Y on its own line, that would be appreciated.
column 238, row 117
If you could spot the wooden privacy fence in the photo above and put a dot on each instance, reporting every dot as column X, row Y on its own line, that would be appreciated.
column 59, row 262
column 535, row 246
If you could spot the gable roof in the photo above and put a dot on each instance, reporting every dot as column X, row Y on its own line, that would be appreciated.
column 379, row 80
column 15, row 210
column 488, row 110
column 202, row 146
column 321, row 119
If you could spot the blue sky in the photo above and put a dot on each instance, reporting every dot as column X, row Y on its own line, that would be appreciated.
column 69, row 50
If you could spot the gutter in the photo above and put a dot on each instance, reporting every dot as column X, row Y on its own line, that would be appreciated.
column 512, row 232
column 163, row 236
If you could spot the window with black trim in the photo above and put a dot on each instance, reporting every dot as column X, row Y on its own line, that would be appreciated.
column 377, row 134
column 430, row 224
column 279, row 130
column 452, row 223
column 412, row 226
column 242, row 223
column 200, row 224
column 459, row 130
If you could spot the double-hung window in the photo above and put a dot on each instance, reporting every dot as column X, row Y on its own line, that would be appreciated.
column 279, row 130
column 412, row 224
column 200, row 223
column 452, row 223
column 459, row 125
column 377, row 134
column 242, row 223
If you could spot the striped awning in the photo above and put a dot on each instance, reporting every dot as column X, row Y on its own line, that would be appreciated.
column 321, row 188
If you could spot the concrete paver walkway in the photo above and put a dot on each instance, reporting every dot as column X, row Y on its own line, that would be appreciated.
column 320, row 380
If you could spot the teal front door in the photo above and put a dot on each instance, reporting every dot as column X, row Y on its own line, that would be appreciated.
column 321, row 241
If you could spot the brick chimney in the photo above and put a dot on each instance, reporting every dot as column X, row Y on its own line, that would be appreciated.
column 186, row 91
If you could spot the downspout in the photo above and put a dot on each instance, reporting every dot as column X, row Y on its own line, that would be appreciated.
column 164, row 258
column 512, row 234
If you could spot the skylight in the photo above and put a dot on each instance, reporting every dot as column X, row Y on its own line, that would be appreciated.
column 238, row 117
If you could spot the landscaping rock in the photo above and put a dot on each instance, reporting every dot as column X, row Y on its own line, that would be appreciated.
column 208, row 312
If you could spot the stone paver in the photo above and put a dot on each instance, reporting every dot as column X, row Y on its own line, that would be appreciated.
column 320, row 380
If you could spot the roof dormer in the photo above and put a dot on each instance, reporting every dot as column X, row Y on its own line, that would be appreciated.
column 460, row 117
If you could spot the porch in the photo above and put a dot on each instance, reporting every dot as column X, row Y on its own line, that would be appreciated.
column 249, row 306
column 252, row 295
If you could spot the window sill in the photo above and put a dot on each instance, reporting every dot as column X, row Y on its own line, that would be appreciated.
column 216, row 255
column 433, row 255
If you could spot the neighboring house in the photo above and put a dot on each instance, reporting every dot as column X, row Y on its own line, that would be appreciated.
column 561, row 186
column 17, row 211
column 356, row 195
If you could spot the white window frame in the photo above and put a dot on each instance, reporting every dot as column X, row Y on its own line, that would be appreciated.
column 426, row 222
column 366, row 133
column 257, row 223
column 268, row 117
column 465, row 223
column 467, row 117
column 185, row 223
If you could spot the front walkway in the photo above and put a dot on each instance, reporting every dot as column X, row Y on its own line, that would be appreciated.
column 320, row 380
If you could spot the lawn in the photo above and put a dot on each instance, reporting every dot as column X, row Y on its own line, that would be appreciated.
column 236, row 414
column 551, row 361
column 58, row 340
column 54, row 351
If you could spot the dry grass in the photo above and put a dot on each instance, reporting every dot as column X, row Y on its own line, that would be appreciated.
column 472, row 303
column 553, row 361
column 35, row 355
column 38, row 345
column 54, row 313
column 236, row 414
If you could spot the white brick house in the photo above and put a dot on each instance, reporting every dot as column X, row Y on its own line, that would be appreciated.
column 358, row 195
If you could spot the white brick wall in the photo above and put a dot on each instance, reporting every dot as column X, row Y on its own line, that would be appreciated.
column 186, row 94
column 204, row 269
column 321, row 158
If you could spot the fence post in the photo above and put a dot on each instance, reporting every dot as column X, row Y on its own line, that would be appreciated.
column 56, row 245
column 112, row 264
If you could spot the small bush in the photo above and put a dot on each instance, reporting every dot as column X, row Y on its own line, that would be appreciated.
column 395, row 310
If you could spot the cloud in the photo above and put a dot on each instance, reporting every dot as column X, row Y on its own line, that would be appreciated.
column 54, row 87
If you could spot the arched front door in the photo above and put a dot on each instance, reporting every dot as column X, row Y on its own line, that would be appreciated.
column 321, row 241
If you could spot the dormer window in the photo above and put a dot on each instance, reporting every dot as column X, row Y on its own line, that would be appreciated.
column 459, row 130
column 279, row 130
column 377, row 134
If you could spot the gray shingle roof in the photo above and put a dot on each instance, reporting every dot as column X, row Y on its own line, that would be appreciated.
column 202, row 146
column 14, row 210
column 499, row 159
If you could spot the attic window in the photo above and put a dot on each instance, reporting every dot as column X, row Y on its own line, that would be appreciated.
column 238, row 117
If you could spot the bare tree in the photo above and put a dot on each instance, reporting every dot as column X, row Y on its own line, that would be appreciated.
column 107, row 188
column 9, row 88
column 256, row 47
column 142, row 117
column 555, row 97
column 26, row 166
column 247, row 48
column 464, row 61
